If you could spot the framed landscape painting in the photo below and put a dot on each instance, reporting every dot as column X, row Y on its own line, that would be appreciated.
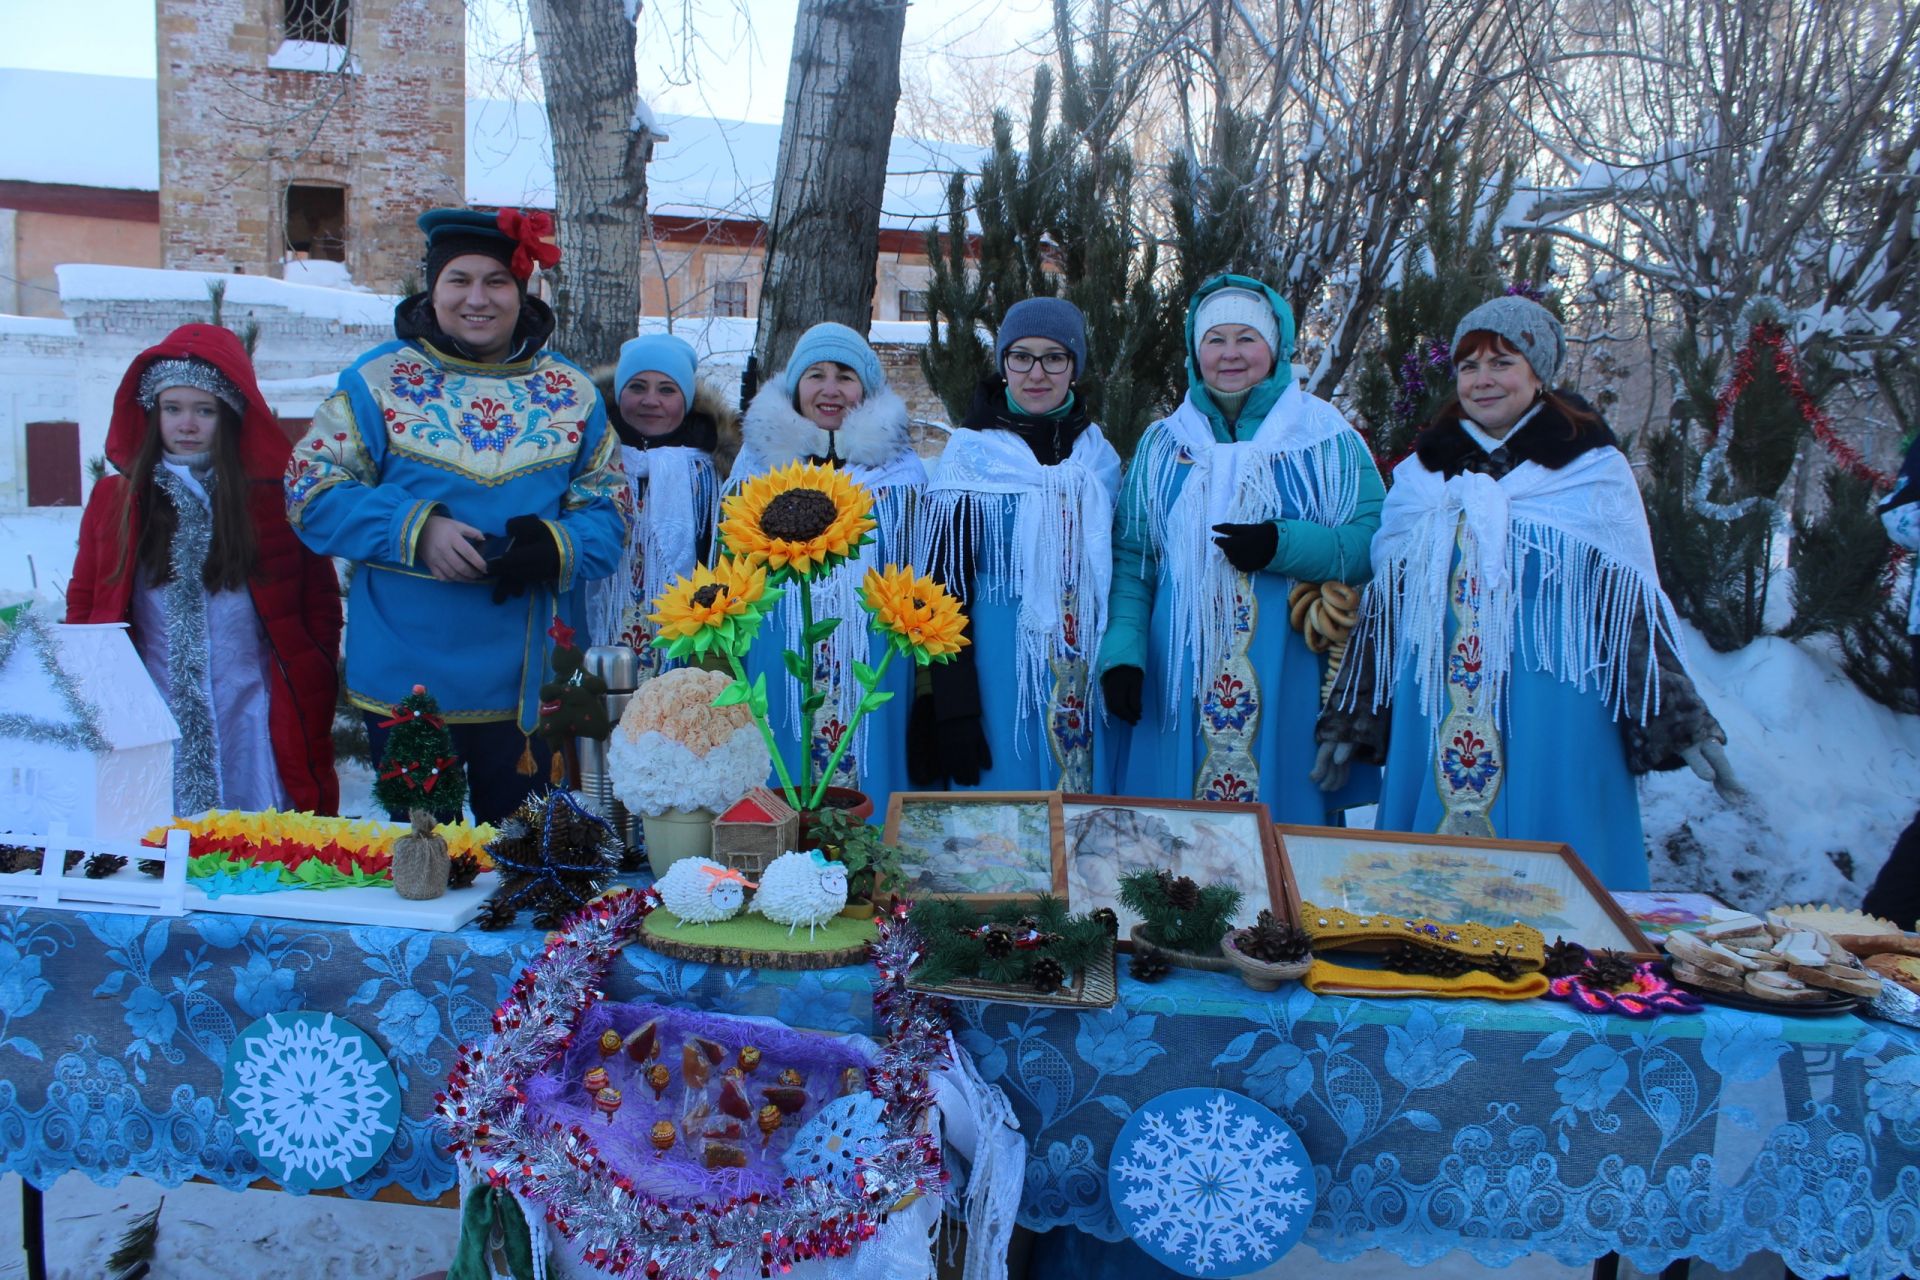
column 1458, row 878
column 1108, row 837
column 984, row 846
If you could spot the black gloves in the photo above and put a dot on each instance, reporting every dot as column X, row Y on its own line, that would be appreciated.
column 939, row 751
column 1122, row 688
column 533, row 559
column 1248, row 547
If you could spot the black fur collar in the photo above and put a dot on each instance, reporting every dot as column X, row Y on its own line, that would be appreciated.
column 1549, row 438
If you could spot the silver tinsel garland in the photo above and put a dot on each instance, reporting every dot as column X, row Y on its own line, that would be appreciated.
column 84, row 734
column 196, row 762
column 619, row 1227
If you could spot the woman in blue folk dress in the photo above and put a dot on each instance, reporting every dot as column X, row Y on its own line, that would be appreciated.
column 1250, row 486
column 1517, row 662
column 832, row 405
column 1018, row 525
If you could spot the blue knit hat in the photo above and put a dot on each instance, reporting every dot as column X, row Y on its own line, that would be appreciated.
column 1054, row 319
column 662, row 353
column 1529, row 327
column 841, row 345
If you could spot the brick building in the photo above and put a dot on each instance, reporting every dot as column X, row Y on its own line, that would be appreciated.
column 314, row 128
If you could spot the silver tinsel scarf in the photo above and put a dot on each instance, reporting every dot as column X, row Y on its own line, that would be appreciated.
column 196, row 764
column 619, row 1227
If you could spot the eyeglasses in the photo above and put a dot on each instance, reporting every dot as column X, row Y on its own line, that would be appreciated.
column 1019, row 361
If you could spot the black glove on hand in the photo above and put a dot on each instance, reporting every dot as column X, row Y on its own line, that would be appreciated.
column 1122, row 687
column 962, row 750
column 923, row 752
column 533, row 559
column 1248, row 547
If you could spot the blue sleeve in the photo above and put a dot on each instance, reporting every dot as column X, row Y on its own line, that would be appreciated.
column 336, row 500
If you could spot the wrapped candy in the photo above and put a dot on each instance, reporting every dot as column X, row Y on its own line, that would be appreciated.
column 793, row 1077
column 659, row 1077
column 662, row 1137
column 596, row 1080
column 643, row 1043
column 749, row 1058
column 608, row 1100
column 609, row 1042
column 769, row 1121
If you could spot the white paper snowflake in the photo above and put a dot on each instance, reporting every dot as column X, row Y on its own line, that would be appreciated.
column 1210, row 1184
column 315, row 1100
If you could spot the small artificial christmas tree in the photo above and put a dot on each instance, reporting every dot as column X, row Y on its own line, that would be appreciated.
column 418, row 769
column 572, row 705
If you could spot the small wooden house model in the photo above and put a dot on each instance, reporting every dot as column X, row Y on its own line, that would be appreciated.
column 757, row 829
column 85, row 739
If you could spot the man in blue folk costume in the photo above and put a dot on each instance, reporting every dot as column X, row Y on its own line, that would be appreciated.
column 1019, row 526
column 1250, row 486
column 1517, row 662
column 470, row 475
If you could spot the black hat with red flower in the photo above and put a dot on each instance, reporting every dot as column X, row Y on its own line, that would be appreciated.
column 516, row 239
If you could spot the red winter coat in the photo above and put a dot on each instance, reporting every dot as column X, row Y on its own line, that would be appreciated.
column 294, row 591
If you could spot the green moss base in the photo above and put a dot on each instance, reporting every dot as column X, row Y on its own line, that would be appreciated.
column 757, row 933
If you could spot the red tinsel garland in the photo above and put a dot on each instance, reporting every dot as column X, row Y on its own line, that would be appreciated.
column 1787, row 365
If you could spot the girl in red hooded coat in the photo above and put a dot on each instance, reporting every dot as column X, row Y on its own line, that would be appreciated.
column 237, row 622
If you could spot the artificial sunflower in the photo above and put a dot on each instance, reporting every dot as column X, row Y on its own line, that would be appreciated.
column 915, row 613
column 799, row 521
column 719, row 608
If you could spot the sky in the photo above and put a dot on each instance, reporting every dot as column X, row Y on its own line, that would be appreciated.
column 739, row 69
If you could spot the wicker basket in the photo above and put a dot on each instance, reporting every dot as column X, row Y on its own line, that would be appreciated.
column 755, row 831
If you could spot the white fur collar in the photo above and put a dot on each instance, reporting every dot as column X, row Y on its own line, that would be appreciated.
column 875, row 432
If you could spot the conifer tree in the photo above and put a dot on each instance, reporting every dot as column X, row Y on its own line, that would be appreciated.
column 418, row 769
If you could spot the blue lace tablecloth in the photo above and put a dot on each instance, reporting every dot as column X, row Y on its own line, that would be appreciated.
column 1498, row 1129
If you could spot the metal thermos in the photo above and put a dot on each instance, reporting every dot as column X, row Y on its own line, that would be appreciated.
column 619, row 666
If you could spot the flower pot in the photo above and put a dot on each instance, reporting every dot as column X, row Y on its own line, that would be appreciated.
column 677, row 834
column 856, row 804
column 1262, row 975
column 858, row 911
column 1143, row 945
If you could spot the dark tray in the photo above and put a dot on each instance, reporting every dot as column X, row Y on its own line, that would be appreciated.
column 1835, row 1002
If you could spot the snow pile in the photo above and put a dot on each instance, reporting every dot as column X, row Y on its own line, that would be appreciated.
column 86, row 282
column 1831, row 779
column 320, row 273
column 312, row 55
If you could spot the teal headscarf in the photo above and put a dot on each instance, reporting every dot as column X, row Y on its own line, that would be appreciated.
column 1265, row 394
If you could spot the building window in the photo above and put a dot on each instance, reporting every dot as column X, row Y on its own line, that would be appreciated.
column 730, row 298
column 913, row 304
column 317, row 222
column 53, row 464
column 316, row 21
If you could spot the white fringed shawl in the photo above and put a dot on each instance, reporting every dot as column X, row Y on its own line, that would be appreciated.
column 1293, row 465
column 673, row 494
column 1586, row 525
column 1058, row 541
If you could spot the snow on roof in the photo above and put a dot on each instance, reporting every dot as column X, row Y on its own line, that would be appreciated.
column 87, row 131
column 707, row 168
column 137, row 284
column 104, row 131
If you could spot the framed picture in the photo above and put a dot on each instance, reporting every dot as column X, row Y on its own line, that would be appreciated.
column 1108, row 837
column 984, row 846
column 1458, row 878
column 1660, row 912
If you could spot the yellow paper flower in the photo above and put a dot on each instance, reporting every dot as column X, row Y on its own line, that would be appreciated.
column 717, row 608
column 798, row 521
column 915, row 613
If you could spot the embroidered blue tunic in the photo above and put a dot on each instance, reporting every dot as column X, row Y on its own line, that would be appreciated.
column 412, row 432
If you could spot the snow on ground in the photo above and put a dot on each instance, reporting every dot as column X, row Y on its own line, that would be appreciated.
column 1831, row 778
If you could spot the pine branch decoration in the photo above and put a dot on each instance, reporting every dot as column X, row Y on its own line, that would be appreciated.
column 1178, row 913
column 133, row 1256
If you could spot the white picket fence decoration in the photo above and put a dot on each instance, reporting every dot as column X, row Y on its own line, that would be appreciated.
column 127, row 893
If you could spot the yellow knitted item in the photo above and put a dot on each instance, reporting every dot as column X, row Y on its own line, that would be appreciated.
column 1326, row 978
column 1335, row 927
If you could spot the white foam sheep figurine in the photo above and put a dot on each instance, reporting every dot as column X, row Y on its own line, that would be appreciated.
column 702, row 891
column 801, row 889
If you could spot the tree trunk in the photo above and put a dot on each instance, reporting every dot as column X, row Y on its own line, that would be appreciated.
column 600, row 155
column 823, row 239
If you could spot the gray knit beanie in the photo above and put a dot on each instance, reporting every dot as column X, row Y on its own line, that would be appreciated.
column 1054, row 319
column 1530, row 327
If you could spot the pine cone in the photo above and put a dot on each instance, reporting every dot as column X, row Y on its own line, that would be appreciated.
column 1274, row 941
column 1046, row 974
column 1147, row 968
column 155, row 867
column 462, row 870
column 74, row 858
column 1564, row 959
column 998, row 943
column 495, row 914
column 1108, row 920
column 102, row 865
column 1183, row 894
column 1503, row 967
column 550, row 915
column 1611, row 969
column 1434, row 962
column 15, row 857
